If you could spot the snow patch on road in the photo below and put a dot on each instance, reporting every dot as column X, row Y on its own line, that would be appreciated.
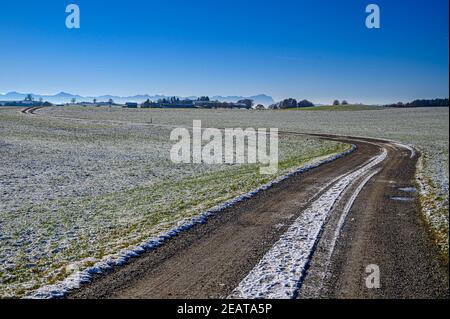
column 347, row 209
column 281, row 271
column 408, row 147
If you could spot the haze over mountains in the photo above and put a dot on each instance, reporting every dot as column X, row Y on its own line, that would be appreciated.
column 64, row 97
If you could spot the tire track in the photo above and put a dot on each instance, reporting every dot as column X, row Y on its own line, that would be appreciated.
column 282, row 270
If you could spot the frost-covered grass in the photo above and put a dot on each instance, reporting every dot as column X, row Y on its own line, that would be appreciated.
column 424, row 128
column 73, row 192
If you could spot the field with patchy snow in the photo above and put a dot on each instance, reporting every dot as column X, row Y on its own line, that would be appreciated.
column 424, row 128
column 81, row 185
column 74, row 192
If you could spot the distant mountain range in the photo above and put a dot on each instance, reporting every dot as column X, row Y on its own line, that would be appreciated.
column 64, row 97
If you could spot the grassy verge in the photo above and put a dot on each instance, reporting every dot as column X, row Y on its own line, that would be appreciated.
column 435, row 209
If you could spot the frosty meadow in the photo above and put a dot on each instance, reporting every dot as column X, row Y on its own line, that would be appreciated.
column 230, row 149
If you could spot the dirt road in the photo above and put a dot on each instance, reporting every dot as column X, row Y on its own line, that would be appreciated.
column 211, row 260
column 310, row 236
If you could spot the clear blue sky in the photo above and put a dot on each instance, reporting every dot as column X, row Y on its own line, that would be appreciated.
column 318, row 50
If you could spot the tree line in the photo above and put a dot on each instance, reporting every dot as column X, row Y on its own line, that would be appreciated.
column 422, row 103
column 290, row 104
column 201, row 102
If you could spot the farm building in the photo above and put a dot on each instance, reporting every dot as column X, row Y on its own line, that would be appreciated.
column 131, row 105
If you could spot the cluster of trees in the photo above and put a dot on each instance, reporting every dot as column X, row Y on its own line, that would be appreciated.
column 29, row 101
column 201, row 102
column 290, row 104
column 206, row 102
column 109, row 103
column 247, row 103
column 147, row 104
column 422, row 103
column 173, row 101
column 168, row 102
column 337, row 102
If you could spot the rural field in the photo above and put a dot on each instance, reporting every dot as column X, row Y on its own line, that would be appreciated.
column 78, row 192
column 82, row 187
column 177, row 153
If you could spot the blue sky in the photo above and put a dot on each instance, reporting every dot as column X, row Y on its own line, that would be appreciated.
column 318, row 50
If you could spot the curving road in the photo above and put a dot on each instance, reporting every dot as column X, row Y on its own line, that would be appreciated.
column 310, row 236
